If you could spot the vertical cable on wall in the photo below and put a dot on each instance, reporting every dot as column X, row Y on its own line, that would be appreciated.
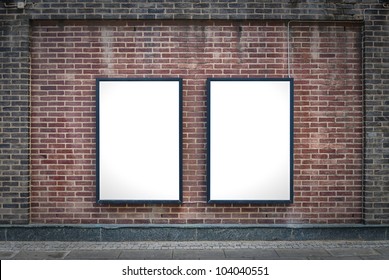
column 30, row 125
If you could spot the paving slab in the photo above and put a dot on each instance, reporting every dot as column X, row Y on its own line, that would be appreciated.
column 383, row 251
column 190, row 254
column 375, row 257
column 251, row 254
column 146, row 255
column 335, row 258
column 5, row 255
column 39, row 255
column 302, row 253
column 349, row 252
column 93, row 255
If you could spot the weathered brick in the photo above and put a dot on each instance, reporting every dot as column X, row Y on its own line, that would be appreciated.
column 178, row 63
column 312, row 75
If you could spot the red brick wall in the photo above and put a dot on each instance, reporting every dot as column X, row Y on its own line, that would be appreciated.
column 324, row 61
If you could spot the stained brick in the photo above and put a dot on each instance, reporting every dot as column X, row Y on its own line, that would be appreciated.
column 175, row 61
column 66, row 56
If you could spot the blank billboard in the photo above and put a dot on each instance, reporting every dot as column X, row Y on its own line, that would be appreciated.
column 139, row 140
column 250, row 140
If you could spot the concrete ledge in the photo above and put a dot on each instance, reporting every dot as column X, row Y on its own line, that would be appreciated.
column 115, row 233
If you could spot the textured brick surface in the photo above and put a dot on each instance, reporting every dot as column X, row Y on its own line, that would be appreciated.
column 14, row 122
column 376, row 68
column 320, row 177
column 325, row 62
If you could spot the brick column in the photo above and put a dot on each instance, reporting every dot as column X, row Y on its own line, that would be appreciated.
column 14, row 120
column 376, row 71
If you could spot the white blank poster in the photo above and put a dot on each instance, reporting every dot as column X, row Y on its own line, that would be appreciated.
column 250, row 140
column 138, row 140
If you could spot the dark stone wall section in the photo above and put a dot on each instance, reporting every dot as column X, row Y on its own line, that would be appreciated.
column 194, row 233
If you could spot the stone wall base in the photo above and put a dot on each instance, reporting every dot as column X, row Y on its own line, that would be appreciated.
column 114, row 233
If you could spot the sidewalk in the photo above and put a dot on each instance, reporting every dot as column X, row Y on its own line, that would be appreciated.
column 212, row 250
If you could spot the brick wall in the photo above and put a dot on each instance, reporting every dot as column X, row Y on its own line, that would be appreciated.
column 325, row 62
column 376, row 72
column 327, row 181
column 14, row 120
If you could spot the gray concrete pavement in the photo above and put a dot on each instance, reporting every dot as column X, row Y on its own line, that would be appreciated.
column 232, row 250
